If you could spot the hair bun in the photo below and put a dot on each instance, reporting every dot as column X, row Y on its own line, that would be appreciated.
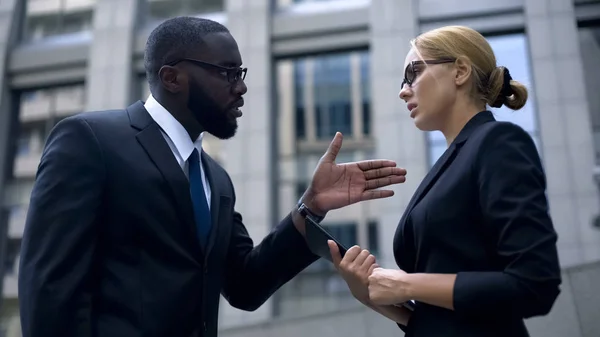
column 503, row 90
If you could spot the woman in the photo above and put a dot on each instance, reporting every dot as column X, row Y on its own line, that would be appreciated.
column 476, row 246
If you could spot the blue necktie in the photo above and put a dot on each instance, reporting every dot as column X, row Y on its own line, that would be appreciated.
column 200, row 204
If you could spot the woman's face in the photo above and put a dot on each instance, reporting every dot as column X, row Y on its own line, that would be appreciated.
column 431, row 89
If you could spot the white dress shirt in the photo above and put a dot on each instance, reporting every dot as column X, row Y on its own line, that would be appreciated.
column 178, row 139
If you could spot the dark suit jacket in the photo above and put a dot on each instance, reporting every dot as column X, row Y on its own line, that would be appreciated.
column 110, row 249
column 482, row 213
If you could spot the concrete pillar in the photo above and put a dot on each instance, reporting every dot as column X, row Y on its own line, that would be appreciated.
column 393, row 24
column 249, row 155
column 109, row 75
column 11, row 14
column 565, row 128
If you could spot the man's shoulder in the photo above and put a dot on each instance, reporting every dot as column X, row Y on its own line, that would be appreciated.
column 101, row 121
column 103, row 116
column 111, row 128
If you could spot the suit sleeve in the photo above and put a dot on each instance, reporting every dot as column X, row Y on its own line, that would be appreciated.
column 512, row 195
column 253, row 274
column 60, row 234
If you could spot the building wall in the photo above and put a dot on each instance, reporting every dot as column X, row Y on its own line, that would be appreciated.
column 305, row 57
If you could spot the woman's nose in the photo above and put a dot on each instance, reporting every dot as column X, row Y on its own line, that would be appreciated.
column 404, row 92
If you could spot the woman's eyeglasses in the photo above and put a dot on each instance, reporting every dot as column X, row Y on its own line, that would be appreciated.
column 410, row 74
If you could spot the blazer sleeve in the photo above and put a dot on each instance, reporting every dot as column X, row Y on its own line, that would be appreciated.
column 253, row 274
column 512, row 195
column 60, row 234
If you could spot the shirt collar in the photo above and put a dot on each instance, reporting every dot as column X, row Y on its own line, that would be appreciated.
column 174, row 130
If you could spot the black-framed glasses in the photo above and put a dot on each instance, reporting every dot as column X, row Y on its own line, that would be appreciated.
column 233, row 74
column 410, row 73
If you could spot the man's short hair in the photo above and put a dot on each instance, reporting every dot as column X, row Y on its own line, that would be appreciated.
column 173, row 39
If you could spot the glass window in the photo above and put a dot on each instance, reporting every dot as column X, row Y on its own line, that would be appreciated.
column 319, row 288
column 284, row 3
column 511, row 51
column 164, row 9
column 69, row 100
column 30, row 138
column 35, row 105
column 23, row 144
column 39, row 111
column 332, row 95
column 373, row 238
column 319, row 95
column 365, row 87
column 46, row 18
column 13, row 247
column 17, row 192
column 42, row 104
column 589, row 39
column 299, row 80
column 318, row 5
column 323, row 87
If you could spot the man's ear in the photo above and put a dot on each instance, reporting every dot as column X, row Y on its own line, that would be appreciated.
column 464, row 67
column 172, row 78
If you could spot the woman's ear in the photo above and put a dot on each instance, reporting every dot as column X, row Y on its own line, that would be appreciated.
column 463, row 70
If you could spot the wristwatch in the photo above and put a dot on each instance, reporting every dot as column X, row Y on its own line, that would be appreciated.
column 306, row 212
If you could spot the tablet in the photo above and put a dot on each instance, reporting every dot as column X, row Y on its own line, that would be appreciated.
column 410, row 305
column 317, row 236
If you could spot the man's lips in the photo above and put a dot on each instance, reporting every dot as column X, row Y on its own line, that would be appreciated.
column 235, row 108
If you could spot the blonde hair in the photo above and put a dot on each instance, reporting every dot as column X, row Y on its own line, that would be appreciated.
column 488, row 79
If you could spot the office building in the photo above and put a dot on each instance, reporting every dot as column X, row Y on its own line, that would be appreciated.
column 316, row 67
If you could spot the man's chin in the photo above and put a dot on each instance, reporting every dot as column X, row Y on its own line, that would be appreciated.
column 225, row 133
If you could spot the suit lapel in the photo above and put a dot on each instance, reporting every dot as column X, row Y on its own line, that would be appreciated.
column 446, row 159
column 152, row 140
column 433, row 175
column 215, row 202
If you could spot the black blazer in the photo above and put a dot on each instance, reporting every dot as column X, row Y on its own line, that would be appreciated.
column 482, row 213
column 110, row 250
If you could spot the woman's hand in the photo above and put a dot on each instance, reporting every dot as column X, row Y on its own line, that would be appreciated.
column 388, row 286
column 355, row 268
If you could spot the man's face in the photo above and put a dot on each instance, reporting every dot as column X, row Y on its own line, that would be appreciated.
column 215, row 94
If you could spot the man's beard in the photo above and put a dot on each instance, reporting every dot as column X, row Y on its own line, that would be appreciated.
column 216, row 121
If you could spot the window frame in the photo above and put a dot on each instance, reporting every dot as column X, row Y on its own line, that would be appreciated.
column 60, row 15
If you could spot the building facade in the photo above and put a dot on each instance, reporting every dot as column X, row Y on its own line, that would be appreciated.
column 316, row 67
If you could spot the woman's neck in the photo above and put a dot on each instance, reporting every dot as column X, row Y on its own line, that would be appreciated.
column 458, row 117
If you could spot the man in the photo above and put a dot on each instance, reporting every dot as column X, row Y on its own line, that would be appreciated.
column 131, row 228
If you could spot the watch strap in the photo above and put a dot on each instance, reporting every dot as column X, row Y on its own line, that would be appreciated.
column 305, row 211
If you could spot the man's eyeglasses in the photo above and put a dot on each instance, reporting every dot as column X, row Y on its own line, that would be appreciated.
column 410, row 74
column 233, row 74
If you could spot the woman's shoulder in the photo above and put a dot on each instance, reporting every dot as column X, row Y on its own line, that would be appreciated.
column 494, row 130
column 500, row 136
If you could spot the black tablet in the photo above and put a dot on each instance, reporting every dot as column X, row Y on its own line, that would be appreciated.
column 410, row 305
column 317, row 237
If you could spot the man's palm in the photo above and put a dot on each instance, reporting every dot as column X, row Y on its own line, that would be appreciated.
column 338, row 185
